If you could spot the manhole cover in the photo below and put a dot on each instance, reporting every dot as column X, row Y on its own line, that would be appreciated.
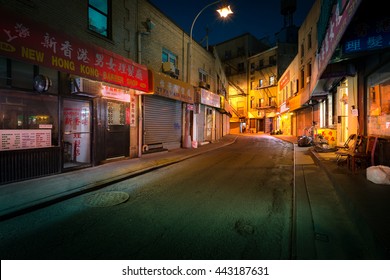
column 105, row 199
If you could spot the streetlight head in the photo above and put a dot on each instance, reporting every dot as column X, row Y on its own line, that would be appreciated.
column 225, row 11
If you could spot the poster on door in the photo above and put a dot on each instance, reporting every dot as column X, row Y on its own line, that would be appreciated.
column 77, row 130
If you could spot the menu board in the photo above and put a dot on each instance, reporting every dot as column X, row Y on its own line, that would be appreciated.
column 16, row 139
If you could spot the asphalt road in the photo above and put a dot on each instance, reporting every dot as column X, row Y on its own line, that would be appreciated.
column 231, row 203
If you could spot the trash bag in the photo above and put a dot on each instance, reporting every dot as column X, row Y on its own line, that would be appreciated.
column 379, row 174
column 304, row 141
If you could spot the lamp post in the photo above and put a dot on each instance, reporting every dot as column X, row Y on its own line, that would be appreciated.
column 224, row 12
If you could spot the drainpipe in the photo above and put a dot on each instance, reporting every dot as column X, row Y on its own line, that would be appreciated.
column 140, row 97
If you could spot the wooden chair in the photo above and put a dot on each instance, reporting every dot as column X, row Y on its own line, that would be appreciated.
column 349, row 146
column 365, row 156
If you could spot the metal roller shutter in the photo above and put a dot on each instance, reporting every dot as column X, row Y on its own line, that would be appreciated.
column 162, row 120
column 201, row 123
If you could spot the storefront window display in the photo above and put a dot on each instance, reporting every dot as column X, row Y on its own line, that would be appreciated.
column 28, row 120
column 378, row 109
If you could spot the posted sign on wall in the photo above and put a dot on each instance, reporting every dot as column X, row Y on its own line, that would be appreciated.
column 16, row 139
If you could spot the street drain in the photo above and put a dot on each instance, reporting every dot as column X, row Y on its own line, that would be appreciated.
column 244, row 228
column 106, row 199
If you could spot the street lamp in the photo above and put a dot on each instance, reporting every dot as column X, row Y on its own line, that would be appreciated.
column 223, row 12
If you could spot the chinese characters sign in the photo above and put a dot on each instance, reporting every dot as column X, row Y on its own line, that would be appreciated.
column 368, row 35
column 25, row 40
column 209, row 98
column 172, row 88
column 337, row 25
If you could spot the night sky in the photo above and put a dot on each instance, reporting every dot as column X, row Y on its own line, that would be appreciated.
column 261, row 18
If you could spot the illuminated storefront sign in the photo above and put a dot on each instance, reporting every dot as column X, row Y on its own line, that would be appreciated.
column 172, row 88
column 284, row 80
column 209, row 98
column 371, row 34
column 338, row 23
column 115, row 93
column 25, row 40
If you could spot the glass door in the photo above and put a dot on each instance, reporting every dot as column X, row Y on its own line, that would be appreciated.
column 76, row 124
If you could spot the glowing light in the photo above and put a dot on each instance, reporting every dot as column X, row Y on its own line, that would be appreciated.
column 225, row 11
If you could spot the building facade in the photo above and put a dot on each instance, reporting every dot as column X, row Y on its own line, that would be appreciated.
column 234, row 54
column 84, row 84
column 339, row 83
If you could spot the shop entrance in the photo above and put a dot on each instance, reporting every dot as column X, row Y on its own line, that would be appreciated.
column 76, row 127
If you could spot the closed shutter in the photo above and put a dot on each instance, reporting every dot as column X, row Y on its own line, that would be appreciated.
column 162, row 121
column 201, row 123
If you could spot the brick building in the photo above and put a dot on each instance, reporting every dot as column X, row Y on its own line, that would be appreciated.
column 86, row 83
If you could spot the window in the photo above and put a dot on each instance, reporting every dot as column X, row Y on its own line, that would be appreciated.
column 309, row 69
column 252, row 67
column 202, row 76
column 378, row 108
column 240, row 51
column 302, row 78
column 272, row 60
column 99, row 17
column 261, row 83
column 309, row 41
column 261, row 63
column 272, row 80
column 240, row 67
column 228, row 70
column 228, row 54
column 168, row 56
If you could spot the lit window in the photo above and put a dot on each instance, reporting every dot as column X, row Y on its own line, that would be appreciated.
column 98, row 16
column 272, row 80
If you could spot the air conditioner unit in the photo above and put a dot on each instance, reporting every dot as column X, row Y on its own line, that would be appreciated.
column 77, row 85
column 204, row 85
column 307, row 79
column 168, row 67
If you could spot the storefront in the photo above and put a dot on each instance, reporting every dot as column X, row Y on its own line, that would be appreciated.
column 49, row 122
column 167, row 114
column 207, row 103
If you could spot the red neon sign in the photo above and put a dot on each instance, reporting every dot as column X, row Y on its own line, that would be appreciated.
column 25, row 40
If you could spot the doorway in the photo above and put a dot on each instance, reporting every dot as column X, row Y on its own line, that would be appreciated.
column 76, row 124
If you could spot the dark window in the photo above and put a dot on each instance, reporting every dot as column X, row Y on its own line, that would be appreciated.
column 240, row 51
column 272, row 60
column 228, row 70
column 228, row 54
column 99, row 17
column 240, row 67
column 261, row 63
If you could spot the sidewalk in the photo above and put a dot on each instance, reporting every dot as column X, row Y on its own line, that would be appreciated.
column 367, row 203
column 21, row 197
